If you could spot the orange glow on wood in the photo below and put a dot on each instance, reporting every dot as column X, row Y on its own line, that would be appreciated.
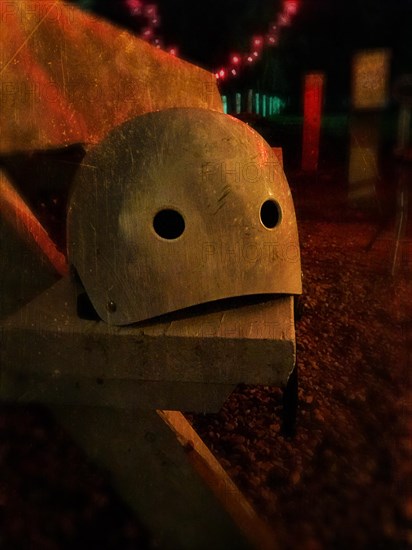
column 16, row 212
column 312, row 115
column 209, row 469
column 279, row 154
column 69, row 77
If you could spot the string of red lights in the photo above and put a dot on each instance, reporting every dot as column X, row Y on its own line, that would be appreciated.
column 236, row 60
column 149, row 13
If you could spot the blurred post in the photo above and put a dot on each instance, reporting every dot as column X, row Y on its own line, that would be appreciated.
column 249, row 104
column 312, row 115
column 238, row 100
column 257, row 103
column 370, row 77
column 404, row 124
column 403, row 94
column 224, row 103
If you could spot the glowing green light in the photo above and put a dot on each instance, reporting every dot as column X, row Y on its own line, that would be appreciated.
column 257, row 103
column 249, row 100
column 224, row 102
column 238, row 103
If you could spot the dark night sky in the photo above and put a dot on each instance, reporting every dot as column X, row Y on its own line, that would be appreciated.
column 323, row 36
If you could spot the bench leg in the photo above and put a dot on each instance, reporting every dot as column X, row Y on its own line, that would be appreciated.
column 290, row 404
column 152, row 472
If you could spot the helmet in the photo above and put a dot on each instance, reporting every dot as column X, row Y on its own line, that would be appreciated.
column 180, row 207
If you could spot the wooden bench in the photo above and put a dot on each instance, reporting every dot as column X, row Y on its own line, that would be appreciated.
column 105, row 384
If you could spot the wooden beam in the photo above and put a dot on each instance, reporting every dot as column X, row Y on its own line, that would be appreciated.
column 16, row 213
column 83, row 421
column 210, row 470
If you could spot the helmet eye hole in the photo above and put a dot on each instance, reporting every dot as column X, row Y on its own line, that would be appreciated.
column 168, row 224
column 270, row 214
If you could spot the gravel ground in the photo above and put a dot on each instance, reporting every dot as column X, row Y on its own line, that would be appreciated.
column 344, row 481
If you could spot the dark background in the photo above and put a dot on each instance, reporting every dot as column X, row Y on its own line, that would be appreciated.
column 323, row 36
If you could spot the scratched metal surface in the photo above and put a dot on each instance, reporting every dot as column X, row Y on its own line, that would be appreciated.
column 216, row 172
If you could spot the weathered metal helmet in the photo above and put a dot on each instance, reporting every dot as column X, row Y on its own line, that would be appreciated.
column 180, row 207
